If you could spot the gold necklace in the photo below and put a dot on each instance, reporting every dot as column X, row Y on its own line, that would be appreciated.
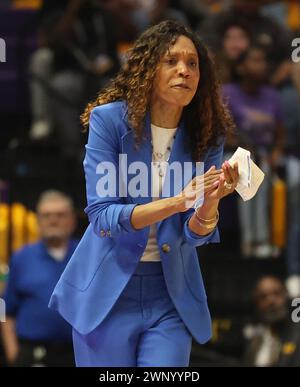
column 159, row 158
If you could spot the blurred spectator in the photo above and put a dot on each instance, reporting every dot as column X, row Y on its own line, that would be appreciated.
column 275, row 38
column 134, row 16
column 257, row 112
column 275, row 340
column 76, row 57
column 124, row 29
column 236, row 39
column 150, row 12
column 293, row 243
column 34, row 335
column 199, row 10
column 264, row 30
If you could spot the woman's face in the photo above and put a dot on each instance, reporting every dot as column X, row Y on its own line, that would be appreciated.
column 255, row 66
column 235, row 42
column 178, row 74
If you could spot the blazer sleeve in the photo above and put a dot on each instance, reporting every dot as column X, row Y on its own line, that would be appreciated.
column 11, row 295
column 214, row 157
column 108, row 213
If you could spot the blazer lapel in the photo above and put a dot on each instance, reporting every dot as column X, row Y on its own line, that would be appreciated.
column 143, row 155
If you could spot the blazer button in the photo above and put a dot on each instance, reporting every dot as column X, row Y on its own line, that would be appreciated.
column 102, row 233
column 166, row 248
column 108, row 233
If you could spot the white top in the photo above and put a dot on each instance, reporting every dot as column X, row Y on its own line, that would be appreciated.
column 269, row 350
column 162, row 138
column 58, row 253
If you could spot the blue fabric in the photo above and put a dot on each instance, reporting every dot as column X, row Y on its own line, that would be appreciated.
column 111, row 248
column 125, row 217
column 142, row 330
column 32, row 278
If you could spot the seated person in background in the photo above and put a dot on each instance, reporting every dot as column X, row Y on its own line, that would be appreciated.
column 236, row 39
column 257, row 111
column 264, row 30
column 77, row 54
column 199, row 10
column 34, row 335
column 275, row 341
column 145, row 13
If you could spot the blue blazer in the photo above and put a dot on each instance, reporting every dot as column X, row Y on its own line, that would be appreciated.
column 111, row 248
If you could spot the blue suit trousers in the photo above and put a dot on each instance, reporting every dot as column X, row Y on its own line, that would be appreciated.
column 143, row 329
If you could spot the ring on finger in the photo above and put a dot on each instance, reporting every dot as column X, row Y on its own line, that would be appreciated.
column 228, row 185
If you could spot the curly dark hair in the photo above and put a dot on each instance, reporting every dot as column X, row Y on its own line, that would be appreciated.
column 206, row 118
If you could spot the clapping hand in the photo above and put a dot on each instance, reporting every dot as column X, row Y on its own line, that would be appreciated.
column 198, row 186
column 228, row 180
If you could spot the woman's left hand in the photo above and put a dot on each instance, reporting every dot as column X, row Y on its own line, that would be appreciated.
column 227, row 183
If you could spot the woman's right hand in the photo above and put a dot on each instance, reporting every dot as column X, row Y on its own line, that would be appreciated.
column 197, row 187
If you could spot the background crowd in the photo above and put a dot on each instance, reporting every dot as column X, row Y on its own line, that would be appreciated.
column 59, row 53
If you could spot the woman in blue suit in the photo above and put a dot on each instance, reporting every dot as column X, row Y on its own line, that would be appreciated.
column 133, row 290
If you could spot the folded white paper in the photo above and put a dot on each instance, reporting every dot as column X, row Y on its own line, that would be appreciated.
column 251, row 176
